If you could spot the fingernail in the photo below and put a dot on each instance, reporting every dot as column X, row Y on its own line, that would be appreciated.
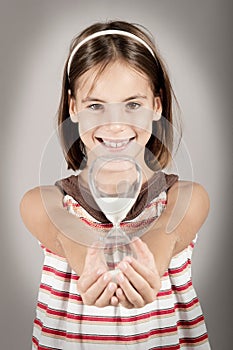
column 111, row 286
column 123, row 265
column 100, row 271
column 120, row 277
column 106, row 277
column 128, row 259
column 119, row 292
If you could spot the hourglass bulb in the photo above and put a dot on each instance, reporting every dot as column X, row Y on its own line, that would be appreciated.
column 115, row 183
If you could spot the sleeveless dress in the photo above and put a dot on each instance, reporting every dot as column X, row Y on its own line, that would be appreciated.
column 173, row 321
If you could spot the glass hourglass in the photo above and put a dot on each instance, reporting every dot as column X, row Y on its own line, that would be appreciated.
column 115, row 183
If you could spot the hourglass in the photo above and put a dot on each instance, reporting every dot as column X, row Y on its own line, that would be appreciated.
column 115, row 183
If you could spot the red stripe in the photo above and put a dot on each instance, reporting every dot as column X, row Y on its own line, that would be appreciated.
column 76, row 317
column 182, row 287
column 138, row 337
column 174, row 271
column 42, row 347
column 145, row 316
column 60, row 294
column 64, row 275
column 191, row 323
column 94, row 337
column 68, row 275
column 192, row 245
column 96, row 224
column 77, row 297
column 195, row 340
column 69, row 202
column 187, row 305
column 52, row 253
column 169, row 347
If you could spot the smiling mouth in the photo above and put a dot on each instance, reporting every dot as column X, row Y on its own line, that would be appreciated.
column 115, row 144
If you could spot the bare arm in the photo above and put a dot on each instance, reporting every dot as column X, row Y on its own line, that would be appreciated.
column 187, row 208
column 57, row 230
column 45, row 217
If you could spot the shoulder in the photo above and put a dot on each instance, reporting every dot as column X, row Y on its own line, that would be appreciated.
column 189, row 199
column 36, row 208
column 37, row 193
column 34, row 199
column 190, row 189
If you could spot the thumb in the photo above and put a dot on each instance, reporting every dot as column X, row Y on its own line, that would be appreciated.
column 140, row 248
column 95, row 256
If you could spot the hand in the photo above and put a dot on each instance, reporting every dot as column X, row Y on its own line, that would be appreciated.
column 139, row 280
column 95, row 283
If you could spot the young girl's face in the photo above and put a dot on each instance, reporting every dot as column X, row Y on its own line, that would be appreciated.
column 118, row 85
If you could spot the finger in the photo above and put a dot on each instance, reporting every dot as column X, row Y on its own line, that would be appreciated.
column 90, row 275
column 95, row 255
column 150, row 275
column 105, row 297
column 143, row 253
column 114, row 301
column 122, row 299
column 130, row 292
column 87, row 279
column 144, row 264
column 136, row 283
column 93, row 293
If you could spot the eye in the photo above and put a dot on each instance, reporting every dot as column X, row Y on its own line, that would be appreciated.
column 96, row 107
column 132, row 106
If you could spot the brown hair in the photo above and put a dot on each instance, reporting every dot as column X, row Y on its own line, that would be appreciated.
column 100, row 52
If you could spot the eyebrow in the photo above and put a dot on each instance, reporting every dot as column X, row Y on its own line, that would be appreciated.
column 134, row 97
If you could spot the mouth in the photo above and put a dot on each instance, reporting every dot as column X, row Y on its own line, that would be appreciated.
column 113, row 144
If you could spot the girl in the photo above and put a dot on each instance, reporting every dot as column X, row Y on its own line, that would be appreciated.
column 151, row 303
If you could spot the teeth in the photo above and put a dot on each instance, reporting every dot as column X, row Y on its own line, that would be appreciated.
column 115, row 144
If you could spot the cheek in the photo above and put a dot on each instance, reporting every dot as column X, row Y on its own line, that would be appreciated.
column 144, row 134
column 85, row 136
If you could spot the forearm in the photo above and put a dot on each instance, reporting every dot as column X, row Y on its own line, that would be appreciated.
column 59, row 231
column 186, row 211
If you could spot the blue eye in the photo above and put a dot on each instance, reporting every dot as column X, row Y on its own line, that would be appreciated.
column 96, row 107
column 132, row 106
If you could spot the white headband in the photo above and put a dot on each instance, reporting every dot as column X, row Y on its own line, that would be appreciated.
column 106, row 32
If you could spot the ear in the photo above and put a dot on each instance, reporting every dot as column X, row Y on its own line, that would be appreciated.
column 72, row 108
column 157, row 108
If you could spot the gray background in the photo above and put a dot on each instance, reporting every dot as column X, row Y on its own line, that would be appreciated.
column 195, row 38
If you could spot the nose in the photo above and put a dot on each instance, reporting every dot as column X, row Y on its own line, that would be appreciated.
column 116, row 127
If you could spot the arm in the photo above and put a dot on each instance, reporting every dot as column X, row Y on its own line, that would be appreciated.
column 58, row 229
column 186, row 211
column 43, row 214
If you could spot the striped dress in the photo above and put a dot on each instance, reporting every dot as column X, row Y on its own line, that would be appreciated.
column 173, row 321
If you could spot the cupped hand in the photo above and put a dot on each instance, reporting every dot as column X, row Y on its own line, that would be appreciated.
column 139, row 280
column 136, row 283
column 95, row 283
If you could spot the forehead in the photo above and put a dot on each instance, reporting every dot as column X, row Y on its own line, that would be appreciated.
column 114, row 80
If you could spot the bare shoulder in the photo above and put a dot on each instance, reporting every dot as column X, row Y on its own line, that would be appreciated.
column 35, row 198
column 190, row 200
column 36, row 193
column 192, row 190
column 35, row 207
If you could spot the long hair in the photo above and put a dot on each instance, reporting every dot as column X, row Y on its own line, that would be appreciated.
column 100, row 52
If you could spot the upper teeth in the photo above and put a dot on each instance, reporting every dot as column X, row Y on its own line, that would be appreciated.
column 115, row 144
